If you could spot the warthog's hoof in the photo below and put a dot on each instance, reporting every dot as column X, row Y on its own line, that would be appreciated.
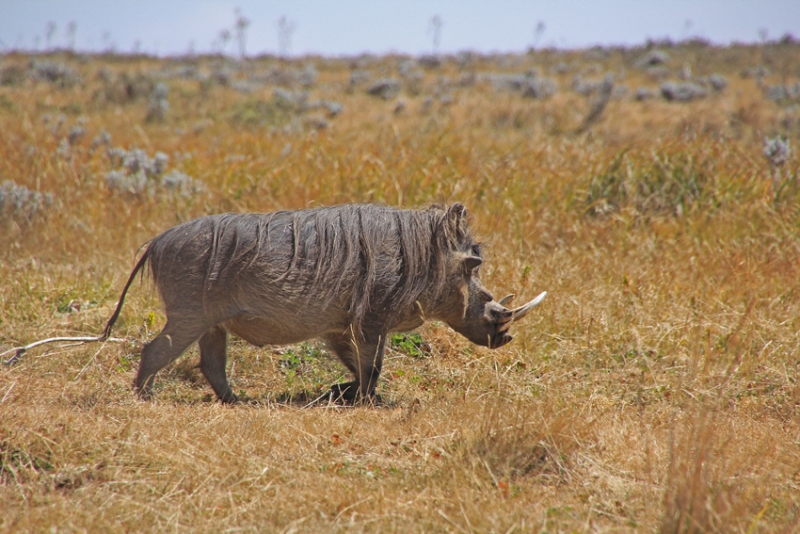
column 348, row 393
column 345, row 393
column 144, row 393
column 229, row 398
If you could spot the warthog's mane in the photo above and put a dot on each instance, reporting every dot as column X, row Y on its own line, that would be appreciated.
column 381, row 259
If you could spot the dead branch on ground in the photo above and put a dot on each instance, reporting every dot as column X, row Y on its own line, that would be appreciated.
column 19, row 351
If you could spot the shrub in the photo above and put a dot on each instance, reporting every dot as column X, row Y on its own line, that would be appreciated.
column 57, row 74
column 653, row 58
column 18, row 202
column 138, row 174
column 157, row 105
column 386, row 88
column 682, row 92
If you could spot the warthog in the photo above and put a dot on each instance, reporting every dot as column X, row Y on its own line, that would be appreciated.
column 348, row 274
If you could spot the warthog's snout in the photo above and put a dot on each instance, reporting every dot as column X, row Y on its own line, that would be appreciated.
column 503, row 318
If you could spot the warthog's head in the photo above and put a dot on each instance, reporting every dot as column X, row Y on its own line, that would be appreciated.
column 483, row 320
column 468, row 307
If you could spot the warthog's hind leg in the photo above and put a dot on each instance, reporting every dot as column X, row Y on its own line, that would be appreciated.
column 164, row 349
column 213, row 357
column 364, row 360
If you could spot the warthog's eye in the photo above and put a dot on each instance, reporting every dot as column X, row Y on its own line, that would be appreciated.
column 476, row 250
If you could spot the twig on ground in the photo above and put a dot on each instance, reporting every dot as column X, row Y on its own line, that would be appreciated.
column 315, row 401
column 19, row 351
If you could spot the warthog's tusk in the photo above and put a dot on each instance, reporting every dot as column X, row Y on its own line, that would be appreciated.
column 505, row 300
column 519, row 313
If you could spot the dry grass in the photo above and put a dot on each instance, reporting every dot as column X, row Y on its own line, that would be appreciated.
column 655, row 390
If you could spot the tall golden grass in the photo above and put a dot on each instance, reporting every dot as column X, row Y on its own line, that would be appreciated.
column 656, row 389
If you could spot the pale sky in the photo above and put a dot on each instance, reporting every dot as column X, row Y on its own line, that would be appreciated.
column 348, row 27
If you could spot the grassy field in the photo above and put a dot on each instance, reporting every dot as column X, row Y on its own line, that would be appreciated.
column 655, row 390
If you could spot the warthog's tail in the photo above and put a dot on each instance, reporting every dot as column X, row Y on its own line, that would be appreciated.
column 110, row 323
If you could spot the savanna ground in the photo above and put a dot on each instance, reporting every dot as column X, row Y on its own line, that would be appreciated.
column 655, row 390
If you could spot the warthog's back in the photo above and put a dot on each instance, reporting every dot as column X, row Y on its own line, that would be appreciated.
column 319, row 266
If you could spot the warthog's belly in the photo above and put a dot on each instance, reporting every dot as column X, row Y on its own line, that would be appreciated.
column 409, row 323
column 262, row 331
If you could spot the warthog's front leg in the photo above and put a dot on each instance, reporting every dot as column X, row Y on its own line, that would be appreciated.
column 213, row 357
column 364, row 359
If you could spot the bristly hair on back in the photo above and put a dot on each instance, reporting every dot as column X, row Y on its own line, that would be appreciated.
column 384, row 258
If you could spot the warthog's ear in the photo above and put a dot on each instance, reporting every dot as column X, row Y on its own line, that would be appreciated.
column 457, row 220
column 470, row 263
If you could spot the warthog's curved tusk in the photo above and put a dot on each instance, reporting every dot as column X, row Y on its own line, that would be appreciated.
column 505, row 300
column 519, row 313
